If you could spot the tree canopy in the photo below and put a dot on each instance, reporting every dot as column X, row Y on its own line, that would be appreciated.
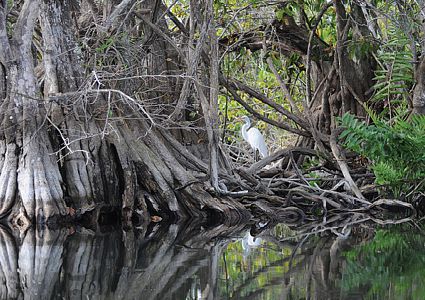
column 130, row 106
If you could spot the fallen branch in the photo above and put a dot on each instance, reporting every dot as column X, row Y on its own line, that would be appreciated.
column 341, row 160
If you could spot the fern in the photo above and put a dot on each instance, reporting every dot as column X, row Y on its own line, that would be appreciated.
column 396, row 151
column 394, row 76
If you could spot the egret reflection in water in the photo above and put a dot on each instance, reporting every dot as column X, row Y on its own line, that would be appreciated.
column 249, row 242
column 169, row 261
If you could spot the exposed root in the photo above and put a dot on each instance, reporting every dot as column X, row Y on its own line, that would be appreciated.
column 316, row 191
column 79, row 187
column 39, row 183
column 8, row 176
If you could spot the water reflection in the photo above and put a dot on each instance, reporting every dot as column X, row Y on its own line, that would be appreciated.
column 191, row 262
column 293, row 269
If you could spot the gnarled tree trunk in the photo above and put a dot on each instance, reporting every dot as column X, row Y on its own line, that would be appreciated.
column 30, row 176
column 78, row 129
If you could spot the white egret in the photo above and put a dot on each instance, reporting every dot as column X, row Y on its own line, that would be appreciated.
column 249, row 242
column 254, row 137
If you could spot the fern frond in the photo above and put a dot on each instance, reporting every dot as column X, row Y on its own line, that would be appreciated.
column 394, row 77
column 395, row 148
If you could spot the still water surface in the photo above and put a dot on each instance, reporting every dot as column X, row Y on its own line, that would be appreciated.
column 191, row 262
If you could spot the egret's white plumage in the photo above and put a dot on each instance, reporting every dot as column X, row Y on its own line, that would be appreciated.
column 254, row 137
column 249, row 242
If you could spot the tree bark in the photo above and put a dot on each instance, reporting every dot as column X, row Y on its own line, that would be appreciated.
column 419, row 90
column 29, row 174
column 84, row 113
column 8, row 265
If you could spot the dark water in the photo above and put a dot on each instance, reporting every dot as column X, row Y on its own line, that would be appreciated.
column 192, row 262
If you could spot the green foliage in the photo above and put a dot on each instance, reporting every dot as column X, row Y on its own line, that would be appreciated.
column 105, row 45
column 393, row 145
column 394, row 76
column 395, row 149
column 289, row 10
column 257, row 273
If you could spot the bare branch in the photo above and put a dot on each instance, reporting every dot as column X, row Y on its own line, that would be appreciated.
column 283, row 86
column 237, row 85
column 310, row 40
column 341, row 160
column 164, row 36
column 282, row 125
column 119, row 9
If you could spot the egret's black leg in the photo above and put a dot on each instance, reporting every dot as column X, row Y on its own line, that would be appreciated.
column 256, row 155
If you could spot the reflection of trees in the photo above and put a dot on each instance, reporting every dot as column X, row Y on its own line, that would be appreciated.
column 91, row 264
column 180, row 262
column 305, row 264
column 40, row 261
column 165, row 262
column 8, row 265
column 125, row 267
column 325, row 261
column 268, row 269
column 391, row 265
column 31, row 270
column 174, row 262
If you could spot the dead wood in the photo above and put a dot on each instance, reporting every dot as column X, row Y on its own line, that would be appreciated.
column 106, row 108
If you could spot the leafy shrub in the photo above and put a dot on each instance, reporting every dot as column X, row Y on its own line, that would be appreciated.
column 396, row 150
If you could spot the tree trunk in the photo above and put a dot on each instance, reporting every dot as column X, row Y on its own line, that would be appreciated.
column 30, row 177
column 419, row 90
column 79, row 130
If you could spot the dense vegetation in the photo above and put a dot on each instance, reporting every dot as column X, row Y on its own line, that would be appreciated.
column 281, row 79
column 395, row 151
column 131, row 106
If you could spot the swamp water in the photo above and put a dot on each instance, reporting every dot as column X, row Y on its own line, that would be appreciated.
column 191, row 262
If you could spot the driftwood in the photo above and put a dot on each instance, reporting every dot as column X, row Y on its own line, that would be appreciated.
column 282, row 195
